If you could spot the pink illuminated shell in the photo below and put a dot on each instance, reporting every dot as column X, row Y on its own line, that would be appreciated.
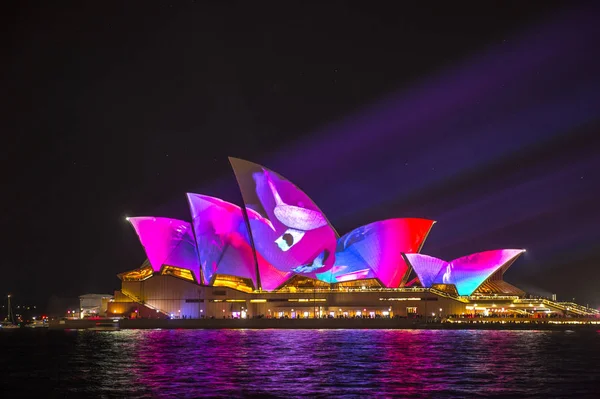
column 167, row 242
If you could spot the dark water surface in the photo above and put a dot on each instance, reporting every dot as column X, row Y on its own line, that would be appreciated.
column 300, row 363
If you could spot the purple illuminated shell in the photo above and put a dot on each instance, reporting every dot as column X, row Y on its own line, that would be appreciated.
column 298, row 237
column 224, row 245
column 466, row 273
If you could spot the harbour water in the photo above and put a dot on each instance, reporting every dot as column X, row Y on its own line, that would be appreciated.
column 300, row 363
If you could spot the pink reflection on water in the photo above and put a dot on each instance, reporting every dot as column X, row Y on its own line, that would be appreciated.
column 327, row 363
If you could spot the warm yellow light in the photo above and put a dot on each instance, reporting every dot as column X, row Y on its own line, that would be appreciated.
column 221, row 282
column 185, row 274
column 308, row 300
column 138, row 274
column 258, row 300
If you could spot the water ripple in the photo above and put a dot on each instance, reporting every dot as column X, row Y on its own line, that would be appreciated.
column 300, row 363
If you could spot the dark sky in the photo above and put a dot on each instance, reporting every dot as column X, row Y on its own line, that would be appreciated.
column 484, row 117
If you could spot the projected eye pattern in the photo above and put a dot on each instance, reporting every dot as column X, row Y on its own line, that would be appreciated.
column 466, row 273
column 167, row 242
column 286, row 234
column 298, row 238
column 271, row 278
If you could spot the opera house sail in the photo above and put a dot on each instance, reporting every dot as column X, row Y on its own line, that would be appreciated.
column 169, row 245
column 466, row 273
column 222, row 238
column 290, row 233
column 374, row 251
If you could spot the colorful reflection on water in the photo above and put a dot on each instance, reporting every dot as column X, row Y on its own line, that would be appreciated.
column 300, row 363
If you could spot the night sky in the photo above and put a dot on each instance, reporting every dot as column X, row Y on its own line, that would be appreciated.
column 485, row 118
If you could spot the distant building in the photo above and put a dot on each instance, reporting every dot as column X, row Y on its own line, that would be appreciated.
column 62, row 307
column 91, row 305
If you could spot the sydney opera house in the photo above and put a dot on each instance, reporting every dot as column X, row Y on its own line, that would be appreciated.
column 279, row 256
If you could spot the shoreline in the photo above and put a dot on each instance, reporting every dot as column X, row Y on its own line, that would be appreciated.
column 314, row 324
